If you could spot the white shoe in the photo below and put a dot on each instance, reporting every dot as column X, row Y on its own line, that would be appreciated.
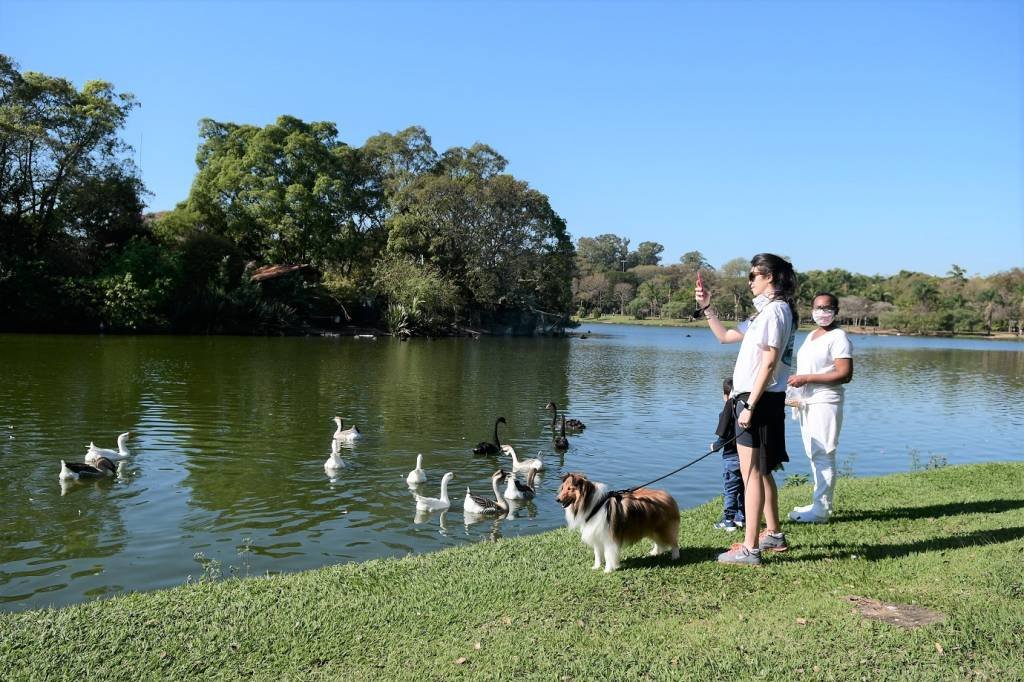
column 806, row 517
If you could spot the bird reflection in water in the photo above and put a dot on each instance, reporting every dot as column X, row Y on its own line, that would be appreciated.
column 422, row 517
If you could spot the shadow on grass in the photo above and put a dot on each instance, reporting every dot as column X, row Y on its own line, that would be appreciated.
column 876, row 552
column 687, row 555
column 930, row 511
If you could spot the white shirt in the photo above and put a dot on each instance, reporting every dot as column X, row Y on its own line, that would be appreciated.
column 818, row 356
column 770, row 328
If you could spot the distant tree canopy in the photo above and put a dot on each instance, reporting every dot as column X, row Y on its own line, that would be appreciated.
column 390, row 232
column 908, row 301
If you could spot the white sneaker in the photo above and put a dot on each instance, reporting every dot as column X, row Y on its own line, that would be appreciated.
column 806, row 517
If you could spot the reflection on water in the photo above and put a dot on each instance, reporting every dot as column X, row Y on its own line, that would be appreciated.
column 231, row 437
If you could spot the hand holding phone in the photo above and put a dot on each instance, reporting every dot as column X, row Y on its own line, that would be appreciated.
column 702, row 297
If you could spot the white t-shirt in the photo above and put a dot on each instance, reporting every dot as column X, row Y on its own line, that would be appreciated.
column 770, row 328
column 818, row 356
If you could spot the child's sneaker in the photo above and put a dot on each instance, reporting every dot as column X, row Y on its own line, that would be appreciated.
column 739, row 522
column 774, row 542
column 728, row 525
column 739, row 554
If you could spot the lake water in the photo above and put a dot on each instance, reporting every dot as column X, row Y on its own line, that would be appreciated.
column 230, row 437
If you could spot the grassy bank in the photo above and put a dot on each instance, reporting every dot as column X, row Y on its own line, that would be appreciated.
column 651, row 322
column 805, row 324
column 949, row 539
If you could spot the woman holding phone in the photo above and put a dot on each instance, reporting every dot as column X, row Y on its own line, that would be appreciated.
column 763, row 366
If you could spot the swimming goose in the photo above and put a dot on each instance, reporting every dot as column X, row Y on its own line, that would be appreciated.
column 417, row 475
column 485, row 448
column 474, row 504
column 93, row 453
column 347, row 435
column 561, row 442
column 522, row 464
column 515, row 490
column 334, row 462
column 436, row 503
column 75, row 471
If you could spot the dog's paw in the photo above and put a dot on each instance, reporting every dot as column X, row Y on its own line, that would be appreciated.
column 595, row 567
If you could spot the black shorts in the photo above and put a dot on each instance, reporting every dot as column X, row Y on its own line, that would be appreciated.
column 767, row 430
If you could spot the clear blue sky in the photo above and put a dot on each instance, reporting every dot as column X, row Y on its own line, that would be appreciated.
column 868, row 136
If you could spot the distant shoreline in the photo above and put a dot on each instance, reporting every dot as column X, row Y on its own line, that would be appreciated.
column 852, row 329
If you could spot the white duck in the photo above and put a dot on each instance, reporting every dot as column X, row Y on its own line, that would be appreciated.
column 417, row 475
column 522, row 491
column 474, row 504
column 346, row 435
column 93, row 453
column 334, row 462
column 522, row 464
column 75, row 471
column 436, row 503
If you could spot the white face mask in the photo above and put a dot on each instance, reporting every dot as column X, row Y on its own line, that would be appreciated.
column 760, row 301
column 823, row 318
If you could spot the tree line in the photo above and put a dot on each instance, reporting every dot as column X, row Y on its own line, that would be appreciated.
column 613, row 279
column 392, row 232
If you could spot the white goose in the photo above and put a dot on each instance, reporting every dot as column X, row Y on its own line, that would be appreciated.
column 334, row 462
column 346, row 435
column 93, row 453
column 436, row 503
column 522, row 464
column 474, row 504
column 522, row 491
column 417, row 475
column 75, row 471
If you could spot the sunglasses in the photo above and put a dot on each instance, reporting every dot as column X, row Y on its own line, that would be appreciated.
column 751, row 276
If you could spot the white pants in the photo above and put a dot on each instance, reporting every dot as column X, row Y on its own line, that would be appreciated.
column 820, row 424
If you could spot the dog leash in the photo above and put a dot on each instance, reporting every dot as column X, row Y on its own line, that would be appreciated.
column 617, row 494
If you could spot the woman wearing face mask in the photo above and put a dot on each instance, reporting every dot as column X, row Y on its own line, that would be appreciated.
column 823, row 364
column 759, row 378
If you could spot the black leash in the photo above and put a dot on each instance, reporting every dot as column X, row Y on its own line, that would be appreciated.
column 617, row 494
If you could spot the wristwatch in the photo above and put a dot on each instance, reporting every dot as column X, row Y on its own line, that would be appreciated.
column 750, row 406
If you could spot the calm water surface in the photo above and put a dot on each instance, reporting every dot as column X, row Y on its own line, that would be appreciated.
column 230, row 437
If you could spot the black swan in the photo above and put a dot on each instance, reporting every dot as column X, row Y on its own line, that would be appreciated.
column 485, row 448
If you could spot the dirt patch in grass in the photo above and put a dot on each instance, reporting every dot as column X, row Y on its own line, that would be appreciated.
column 907, row 616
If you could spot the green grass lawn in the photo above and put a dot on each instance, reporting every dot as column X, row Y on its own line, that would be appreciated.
column 949, row 539
column 651, row 322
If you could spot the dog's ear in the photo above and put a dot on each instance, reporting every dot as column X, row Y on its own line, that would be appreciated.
column 565, row 476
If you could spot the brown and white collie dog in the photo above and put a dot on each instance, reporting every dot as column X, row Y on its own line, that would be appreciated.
column 623, row 519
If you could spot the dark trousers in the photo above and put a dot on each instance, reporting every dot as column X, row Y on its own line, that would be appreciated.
column 732, row 490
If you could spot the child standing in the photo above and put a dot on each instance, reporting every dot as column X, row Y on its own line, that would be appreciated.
column 732, row 481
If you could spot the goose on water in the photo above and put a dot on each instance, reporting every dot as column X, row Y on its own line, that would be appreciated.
column 522, row 464
column 93, row 453
column 75, row 471
column 346, row 435
column 474, row 504
column 417, row 475
column 334, row 462
column 436, row 503
column 485, row 448
column 515, row 490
